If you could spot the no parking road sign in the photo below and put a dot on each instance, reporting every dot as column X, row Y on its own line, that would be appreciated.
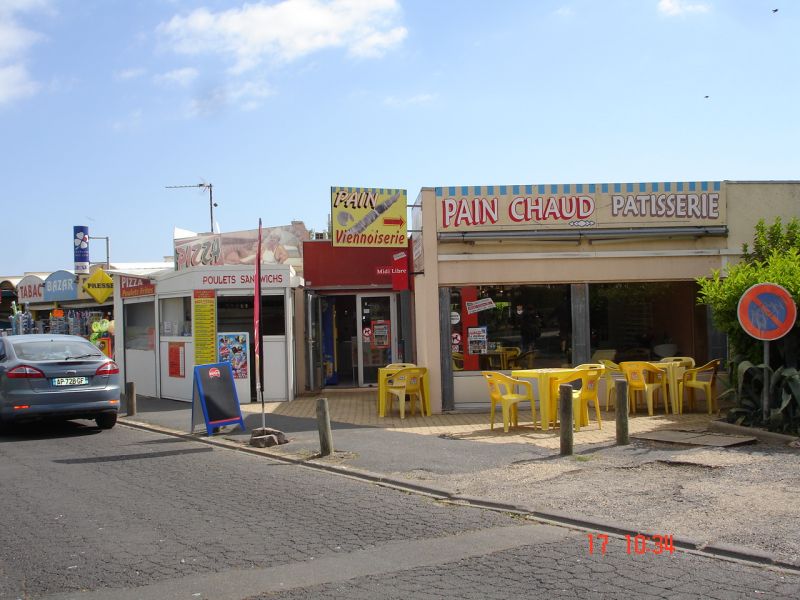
column 766, row 311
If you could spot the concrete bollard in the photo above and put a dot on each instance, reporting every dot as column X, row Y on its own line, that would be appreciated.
column 565, row 415
column 622, row 413
column 324, row 426
column 130, row 398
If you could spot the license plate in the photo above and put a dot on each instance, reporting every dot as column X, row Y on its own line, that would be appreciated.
column 70, row 381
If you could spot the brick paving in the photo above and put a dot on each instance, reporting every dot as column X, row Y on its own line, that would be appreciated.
column 359, row 407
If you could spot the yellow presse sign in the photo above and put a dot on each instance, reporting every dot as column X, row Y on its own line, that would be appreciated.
column 369, row 217
column 99, row 286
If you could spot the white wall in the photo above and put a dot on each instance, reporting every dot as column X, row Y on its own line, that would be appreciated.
column 177, row 388
column 274, row 368
column 141, row 370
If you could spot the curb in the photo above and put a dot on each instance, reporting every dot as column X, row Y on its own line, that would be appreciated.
column 714, row 549
column 759, row 434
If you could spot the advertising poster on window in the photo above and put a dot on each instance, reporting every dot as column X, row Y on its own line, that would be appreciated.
column 480, row 305
column 177, row 359
column 205, row 326
column 478, row 340
column 381, row 332
column 233, row 348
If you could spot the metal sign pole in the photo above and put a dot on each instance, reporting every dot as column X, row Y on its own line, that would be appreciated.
column 765, row 387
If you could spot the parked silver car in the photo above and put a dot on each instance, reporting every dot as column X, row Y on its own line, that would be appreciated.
column 57, row 376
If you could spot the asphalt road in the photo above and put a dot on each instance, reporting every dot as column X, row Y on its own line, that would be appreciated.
column 130, row 514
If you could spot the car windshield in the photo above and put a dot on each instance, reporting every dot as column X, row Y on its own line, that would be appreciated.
column 55, row 350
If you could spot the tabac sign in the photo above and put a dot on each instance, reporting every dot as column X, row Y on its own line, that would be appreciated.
column 580, row 206
column 99, row 286
column 369, row 217
column 30, row 289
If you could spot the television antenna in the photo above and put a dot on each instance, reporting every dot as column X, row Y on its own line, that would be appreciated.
column 203, row 186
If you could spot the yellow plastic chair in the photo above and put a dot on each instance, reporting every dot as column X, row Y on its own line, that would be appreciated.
column 510, row 355
column 406, row 382
column 692, row 382
column 611, row 375
column 686, row 361
column 523, row 361
column 604, row 354
column 588, row 392
column 502, row 391
column 555, row 395
column 636, row 373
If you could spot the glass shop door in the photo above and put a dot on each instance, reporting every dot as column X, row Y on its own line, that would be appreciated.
column 377, row 338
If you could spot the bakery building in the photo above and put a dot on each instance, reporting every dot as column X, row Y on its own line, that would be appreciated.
column 524, row 276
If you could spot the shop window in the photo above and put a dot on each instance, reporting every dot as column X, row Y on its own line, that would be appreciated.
column 502, row 327
column 175, row 316
column 274, row 315
column 646, row 321
column 140, row 323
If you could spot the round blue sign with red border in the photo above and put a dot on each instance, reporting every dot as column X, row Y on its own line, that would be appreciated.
column 767, row 311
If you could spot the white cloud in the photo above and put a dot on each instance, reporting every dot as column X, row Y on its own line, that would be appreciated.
column 396, row 102
column 15, row 42
column 250, row 95
column 15, row 83
column 674, row 8
column 181, row 77
column 565, row 12
column 127, row 74
column 287, row 30
column 129, row 123
column 377, row 43
column 245, row 95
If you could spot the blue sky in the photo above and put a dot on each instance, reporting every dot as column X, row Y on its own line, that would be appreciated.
column 103, row 103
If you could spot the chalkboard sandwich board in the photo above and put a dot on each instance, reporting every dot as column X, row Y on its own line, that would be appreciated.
column 214, row 397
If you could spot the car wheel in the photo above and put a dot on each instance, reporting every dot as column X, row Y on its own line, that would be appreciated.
column 106, row 420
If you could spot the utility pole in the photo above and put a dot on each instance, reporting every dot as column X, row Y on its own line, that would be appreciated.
column 211, row 203
column 108, row 248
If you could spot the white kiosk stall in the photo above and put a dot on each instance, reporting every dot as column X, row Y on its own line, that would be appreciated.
column 135, row 328
column 204, row 315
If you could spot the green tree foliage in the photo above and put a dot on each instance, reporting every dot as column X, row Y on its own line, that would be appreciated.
column 772, row 239
column 774, row 258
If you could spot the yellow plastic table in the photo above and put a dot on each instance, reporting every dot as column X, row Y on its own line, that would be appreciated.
column 543, row 378
column 385, row 373
column 674, row 371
